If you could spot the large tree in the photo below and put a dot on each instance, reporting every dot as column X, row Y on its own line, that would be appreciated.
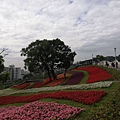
column 48, row 55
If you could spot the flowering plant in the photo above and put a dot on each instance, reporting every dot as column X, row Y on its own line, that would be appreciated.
column 22, row 86
column 75, row 79
column 39, row 111
column 86, row 97
column 95, row 74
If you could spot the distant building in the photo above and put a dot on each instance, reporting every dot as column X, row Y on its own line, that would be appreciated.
column 15, row 72
column 111, row 58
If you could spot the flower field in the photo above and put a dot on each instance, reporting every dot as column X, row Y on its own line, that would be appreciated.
column 73, row 78
column 104, row 84
column 73, row 97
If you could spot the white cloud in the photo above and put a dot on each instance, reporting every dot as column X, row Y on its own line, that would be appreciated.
column 88, row 26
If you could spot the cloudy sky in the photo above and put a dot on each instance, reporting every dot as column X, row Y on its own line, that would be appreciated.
column 87, row 26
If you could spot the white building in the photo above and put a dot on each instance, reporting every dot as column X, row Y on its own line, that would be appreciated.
column 15, row 72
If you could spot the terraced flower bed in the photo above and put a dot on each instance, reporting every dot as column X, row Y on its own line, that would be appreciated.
column 89, row 100
column 55, row 82
column 60, row 80
column 85, row 97
column 61, row 76
column 22, row 86
column 42, row 84
column 36, row 84
column 96, row 85
column 75, row 78
column 96, row 74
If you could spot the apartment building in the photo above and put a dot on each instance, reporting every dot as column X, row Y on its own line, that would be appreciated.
column 15, row 72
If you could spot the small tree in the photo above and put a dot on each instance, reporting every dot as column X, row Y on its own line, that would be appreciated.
column 99, row 57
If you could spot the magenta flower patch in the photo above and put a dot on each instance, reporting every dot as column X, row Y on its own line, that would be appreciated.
column 75, row 79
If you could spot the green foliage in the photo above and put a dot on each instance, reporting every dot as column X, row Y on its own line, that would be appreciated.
column 115, row 73
column 27, row 76
column 1, row 63
column 99, row 57
column 108, row 111
column 86, row 74
column 4, row 77
column 47, row 55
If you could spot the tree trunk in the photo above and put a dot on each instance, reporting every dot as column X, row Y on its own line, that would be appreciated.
column 53, row 73
column 49, row 74
column 65, row 73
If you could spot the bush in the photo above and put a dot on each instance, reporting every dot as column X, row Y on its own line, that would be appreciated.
column 4, row 77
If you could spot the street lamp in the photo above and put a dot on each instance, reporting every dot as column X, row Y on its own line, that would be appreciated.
column 92, row 59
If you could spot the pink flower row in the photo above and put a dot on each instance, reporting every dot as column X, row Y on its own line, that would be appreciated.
column 39, row 111
column 85, row 97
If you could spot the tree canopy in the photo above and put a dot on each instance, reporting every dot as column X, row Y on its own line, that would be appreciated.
column 48, row 55
column 99, row 57
column 3, row 53
column 2, row 60
column 1, row 63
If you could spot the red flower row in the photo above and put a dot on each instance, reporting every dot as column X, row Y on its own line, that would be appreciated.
column 95, row 74
column 85, row 97
column 55, row 82
column 34, row 85
column 60, row 79
column 22, row 86
column 42, row 84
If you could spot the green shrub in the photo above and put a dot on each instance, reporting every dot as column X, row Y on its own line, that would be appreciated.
column 109, row 111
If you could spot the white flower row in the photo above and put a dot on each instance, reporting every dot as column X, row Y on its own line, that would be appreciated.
column 66, row 87
column 7, row 91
